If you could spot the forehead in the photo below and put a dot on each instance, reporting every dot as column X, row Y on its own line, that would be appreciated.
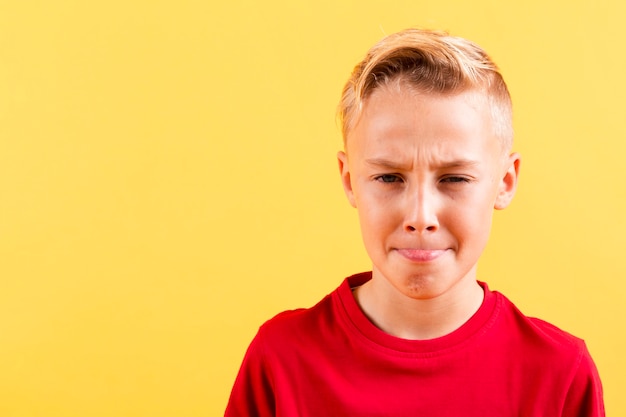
column 396, row 120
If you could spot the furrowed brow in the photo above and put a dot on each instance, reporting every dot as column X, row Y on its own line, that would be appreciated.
column 384, row 163
column 457, row 163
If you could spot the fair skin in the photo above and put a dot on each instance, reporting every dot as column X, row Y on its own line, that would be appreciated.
column 425, row 173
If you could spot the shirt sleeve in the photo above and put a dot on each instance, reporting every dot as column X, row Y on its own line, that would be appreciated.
column 585, row 397
column 252, row 394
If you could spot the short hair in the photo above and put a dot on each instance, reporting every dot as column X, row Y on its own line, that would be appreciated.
column 431, row 62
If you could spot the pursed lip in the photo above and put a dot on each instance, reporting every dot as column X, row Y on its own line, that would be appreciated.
column 421, row 255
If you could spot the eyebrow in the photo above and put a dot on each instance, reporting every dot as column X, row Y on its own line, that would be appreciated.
column 456, row 163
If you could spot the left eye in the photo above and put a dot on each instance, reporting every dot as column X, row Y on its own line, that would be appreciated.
column 455, row 179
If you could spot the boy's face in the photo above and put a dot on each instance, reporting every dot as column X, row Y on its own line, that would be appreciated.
column 425, row 173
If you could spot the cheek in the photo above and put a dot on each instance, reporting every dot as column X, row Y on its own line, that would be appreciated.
column 376, row 216
column 374, row 219
column 472, row 215
column 475, row 225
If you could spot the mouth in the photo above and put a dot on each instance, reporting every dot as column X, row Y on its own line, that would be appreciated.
column 421, row 255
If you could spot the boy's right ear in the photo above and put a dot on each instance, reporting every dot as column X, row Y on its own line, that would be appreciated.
column 344, row 171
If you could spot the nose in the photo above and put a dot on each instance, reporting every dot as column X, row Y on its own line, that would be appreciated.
column 421, row 212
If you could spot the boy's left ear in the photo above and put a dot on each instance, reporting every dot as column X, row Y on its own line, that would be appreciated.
column 508, row 182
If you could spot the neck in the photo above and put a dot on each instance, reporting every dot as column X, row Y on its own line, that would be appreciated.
column 419, row 319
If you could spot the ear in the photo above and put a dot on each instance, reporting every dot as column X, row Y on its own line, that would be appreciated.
column 508, row 182
column 344, row 171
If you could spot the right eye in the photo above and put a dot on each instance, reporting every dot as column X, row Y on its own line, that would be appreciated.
column 388, row 178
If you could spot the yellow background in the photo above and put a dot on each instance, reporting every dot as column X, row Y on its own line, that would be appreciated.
column 168, row 182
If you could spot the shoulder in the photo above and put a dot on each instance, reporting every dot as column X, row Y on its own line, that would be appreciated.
column 539, row 341
column 328, row 315
column 290, row 322
column 550, row 355
column 556, row 335
column 283, row 336
column 580, row 374
column 299, row 324
column 537, row 332
column 279, row 346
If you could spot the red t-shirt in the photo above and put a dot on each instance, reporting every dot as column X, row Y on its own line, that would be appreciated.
column 330, row 360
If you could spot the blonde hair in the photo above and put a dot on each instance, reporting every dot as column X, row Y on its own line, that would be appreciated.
column 431, row 62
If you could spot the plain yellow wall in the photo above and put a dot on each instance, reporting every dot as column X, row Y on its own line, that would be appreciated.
column 168, row 182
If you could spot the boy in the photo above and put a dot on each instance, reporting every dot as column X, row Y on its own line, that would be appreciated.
column 427, row 134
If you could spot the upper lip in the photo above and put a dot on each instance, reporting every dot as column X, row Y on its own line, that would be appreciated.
column 419, row 250
column 420, row 255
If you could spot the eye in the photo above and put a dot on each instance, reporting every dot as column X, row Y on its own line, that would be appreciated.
column 388, row 178
column 455, row 180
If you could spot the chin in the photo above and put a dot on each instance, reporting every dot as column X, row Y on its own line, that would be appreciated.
column 419, row 290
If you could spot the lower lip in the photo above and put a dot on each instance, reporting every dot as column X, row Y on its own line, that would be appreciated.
column 418, row 255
